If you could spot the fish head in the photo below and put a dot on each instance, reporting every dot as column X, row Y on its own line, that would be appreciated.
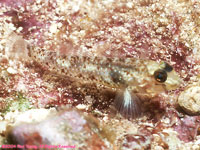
column 163, row 76
column 150, row 79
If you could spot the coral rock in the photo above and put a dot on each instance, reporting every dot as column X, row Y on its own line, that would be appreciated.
column 189, row 100
column 65, row 128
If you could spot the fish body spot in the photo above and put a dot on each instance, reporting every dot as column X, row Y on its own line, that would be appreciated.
column 116, row 77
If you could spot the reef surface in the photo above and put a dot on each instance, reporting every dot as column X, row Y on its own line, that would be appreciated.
column 31, row 99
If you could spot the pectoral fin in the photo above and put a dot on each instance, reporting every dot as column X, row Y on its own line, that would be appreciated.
column 128, row 104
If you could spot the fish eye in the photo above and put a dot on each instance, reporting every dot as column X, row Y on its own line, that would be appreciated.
column 160, row 75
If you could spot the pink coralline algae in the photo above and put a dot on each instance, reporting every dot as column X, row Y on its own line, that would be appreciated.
column 188, row 128
column 158, row 31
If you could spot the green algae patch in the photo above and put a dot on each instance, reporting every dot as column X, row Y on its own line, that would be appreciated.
column 19, row 103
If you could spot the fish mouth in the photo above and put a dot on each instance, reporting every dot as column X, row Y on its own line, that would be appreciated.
column 173, row 84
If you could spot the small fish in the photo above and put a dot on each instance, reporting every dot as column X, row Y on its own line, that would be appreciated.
column 128, row 77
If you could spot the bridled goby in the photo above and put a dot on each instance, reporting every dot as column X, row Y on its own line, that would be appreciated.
column 127, row 77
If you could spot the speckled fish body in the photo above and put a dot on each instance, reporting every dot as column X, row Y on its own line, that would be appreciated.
column 129, row 75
